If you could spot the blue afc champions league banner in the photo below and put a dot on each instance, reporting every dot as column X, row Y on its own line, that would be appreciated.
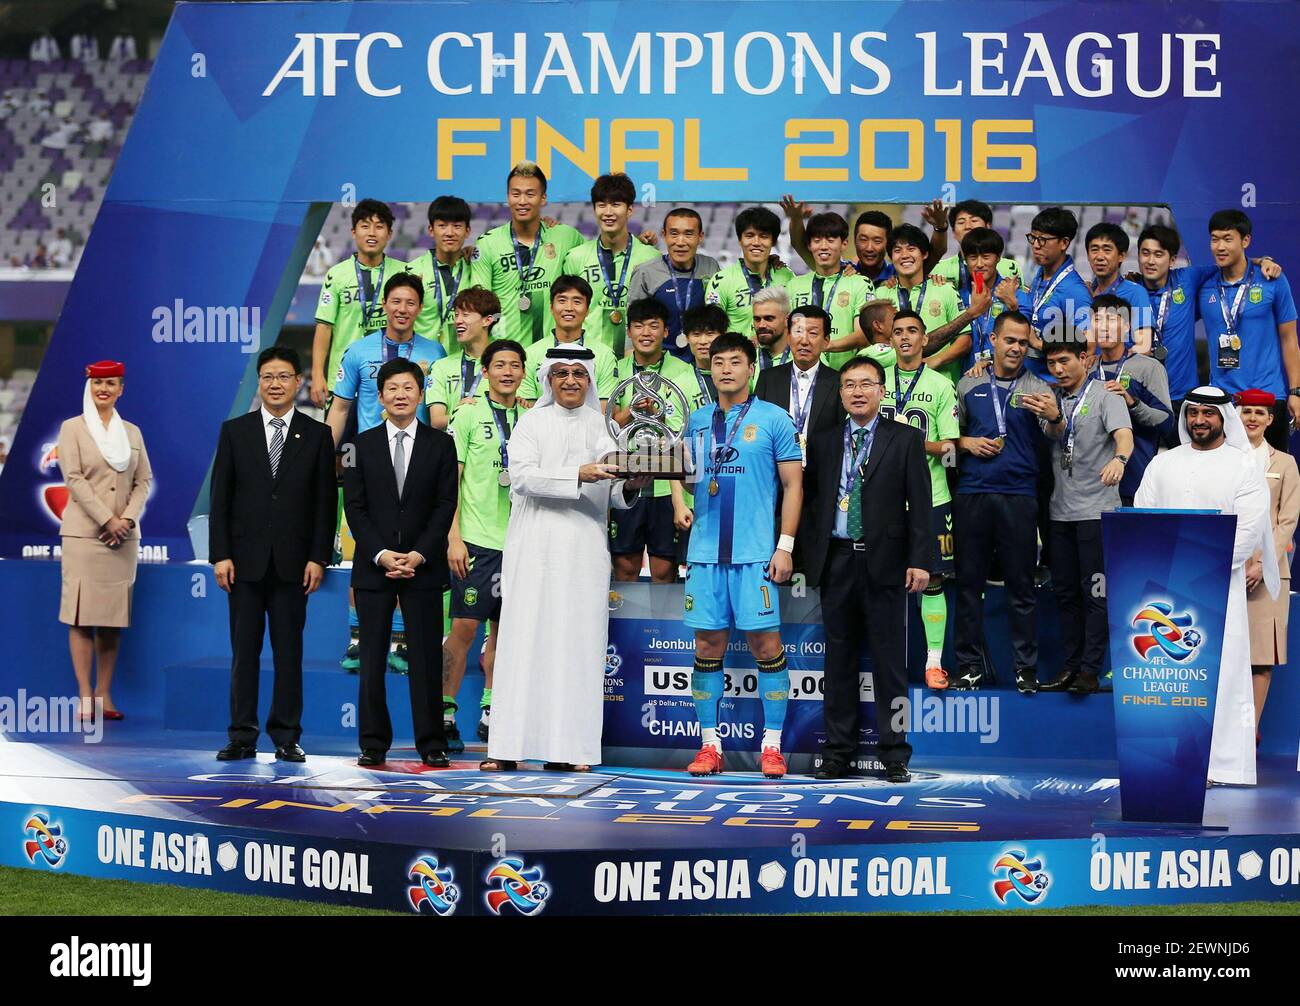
column 256, row 117
column 1167, row 579
column 650, row 715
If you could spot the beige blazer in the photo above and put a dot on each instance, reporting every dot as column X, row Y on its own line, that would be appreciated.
column 96, row 491
column 1283, row 480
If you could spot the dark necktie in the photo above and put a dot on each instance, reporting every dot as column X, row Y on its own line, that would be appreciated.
column 277, row 444
column 855, row 497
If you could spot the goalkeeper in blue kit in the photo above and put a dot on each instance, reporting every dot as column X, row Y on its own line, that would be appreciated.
column 741, row 447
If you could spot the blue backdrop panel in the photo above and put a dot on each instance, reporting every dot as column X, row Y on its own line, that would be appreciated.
column 255, row 111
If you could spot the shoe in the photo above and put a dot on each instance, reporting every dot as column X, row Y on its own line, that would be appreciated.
column 707, row 762
column 1106, row 683
column 967, row 681
column 936, row 678
column 1042, row 577
column 290, row 752
column 114, row 714
column 1085, row 684
column 235, row 751
column 371, row 757
column 896, row 771
column 831, row 768
column 1026, row 680
column 454, row 744
column 1059, row 683
column 397, row 661
column 772, row 764
column 436, row 759
column 483, row 726
column 351, row 661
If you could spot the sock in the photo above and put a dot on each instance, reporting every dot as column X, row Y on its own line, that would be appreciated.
column 706, row 689
column 354, row 624
column 934, row 616
column 774, row 690
column 449, row 708
column 486, row 699
column 709, row 738
column 771, row 739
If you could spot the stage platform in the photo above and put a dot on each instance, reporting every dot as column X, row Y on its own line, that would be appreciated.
column 151, row 805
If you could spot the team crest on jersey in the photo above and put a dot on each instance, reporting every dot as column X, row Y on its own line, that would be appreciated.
column 690, row 603
column 842, row 300
column 471, row 596
column 1179, row 296
column 751, row 433
column 1256, row 295
column 935, row 309
column 549, row 249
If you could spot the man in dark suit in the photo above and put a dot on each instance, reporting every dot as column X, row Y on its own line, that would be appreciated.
column 270, row 536
column 805, row 387
column 399, row 491
column 865, row 567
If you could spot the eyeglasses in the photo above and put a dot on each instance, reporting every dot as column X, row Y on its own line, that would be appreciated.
column 855, row 385
column 1038, row 240
column 564, row 375
column 277, row 378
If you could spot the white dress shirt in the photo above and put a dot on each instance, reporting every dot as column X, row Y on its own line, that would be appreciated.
column 804, row 380
column 269, row 430
column 408, row 446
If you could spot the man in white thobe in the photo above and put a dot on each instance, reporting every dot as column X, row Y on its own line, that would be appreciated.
column 548, row 694
column 1213, row 469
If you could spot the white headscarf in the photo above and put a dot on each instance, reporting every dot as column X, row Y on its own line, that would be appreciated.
column 111, row 441
column 1234, row 433
column 543, row 379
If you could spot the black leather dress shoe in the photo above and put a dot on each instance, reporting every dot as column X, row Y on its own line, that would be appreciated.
column 896, row 771
column 436, row 759
column 1085, row 684
column 831, row 769
column 370, row 757
column 1059, row 683
column 1026, row 680
column 235, row 751
column 290, row 752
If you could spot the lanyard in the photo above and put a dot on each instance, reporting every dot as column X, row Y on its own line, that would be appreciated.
column 1069, row 423
column 720, row 427
column 677, row 283
column 705, row 393
column 368, row 310
column 1114, row 283
column 857, row 461
column 1041, row 296
column 819, row 285
column 453, row 285
column 801, row 410
column 755, row 284
column 503, row 429
column 1000, row 407
column 772, row 361
column 1123, row 362
column 901, row 397
column 1162, row 311
column 467, row 374
column 981, row 327
column 614, row 294
column 1231, row 318
column 532, row 254
column 905, row 298
column 392, row 350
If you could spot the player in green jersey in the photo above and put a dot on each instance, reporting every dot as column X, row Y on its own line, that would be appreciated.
column 444, row 269
column 966, row 216
column 871, row 233
column 351, row 296
column 520, row 259
column 832, row 285
column 876, row 319
column 606, row 261
column 478, row 530
column 455, row 381
column 570, row 303
column 647, row 526
column 920, row 396
column 733, row 288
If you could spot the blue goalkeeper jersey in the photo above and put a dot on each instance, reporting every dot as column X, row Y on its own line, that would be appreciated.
column 736, row 525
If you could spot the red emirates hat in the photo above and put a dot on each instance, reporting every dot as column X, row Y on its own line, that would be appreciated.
column 1255, row 396
column 106, row 368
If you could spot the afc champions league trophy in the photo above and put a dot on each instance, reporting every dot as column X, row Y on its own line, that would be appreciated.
column 647, row 445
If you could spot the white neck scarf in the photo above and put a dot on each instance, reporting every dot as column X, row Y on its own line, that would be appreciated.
column 111, row 441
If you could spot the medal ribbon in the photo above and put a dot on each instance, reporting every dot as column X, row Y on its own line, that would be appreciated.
column 801, row 411
column 1000, row 407
column 900, row 397
column 858, row 460
column 503, row 429
column 615, row 294
column 368, row 310
column 532, row 255
column 1040, row 295
column 720, row 428
column 1232, row 317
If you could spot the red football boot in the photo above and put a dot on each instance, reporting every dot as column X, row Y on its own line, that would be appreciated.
column 772, row 763
column 707, row 762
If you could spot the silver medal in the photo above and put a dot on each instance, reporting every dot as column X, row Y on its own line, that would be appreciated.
column 525, row 302
column 504, row 478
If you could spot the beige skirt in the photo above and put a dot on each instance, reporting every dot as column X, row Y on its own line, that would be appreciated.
column 97, row 582
column 1268, row 618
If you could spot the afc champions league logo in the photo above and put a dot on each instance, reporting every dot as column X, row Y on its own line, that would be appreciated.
column 45, row 839
column 1020, row 875
column 612, row 660
column 433, row 886
column 516, row 885
column 1167, row 635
